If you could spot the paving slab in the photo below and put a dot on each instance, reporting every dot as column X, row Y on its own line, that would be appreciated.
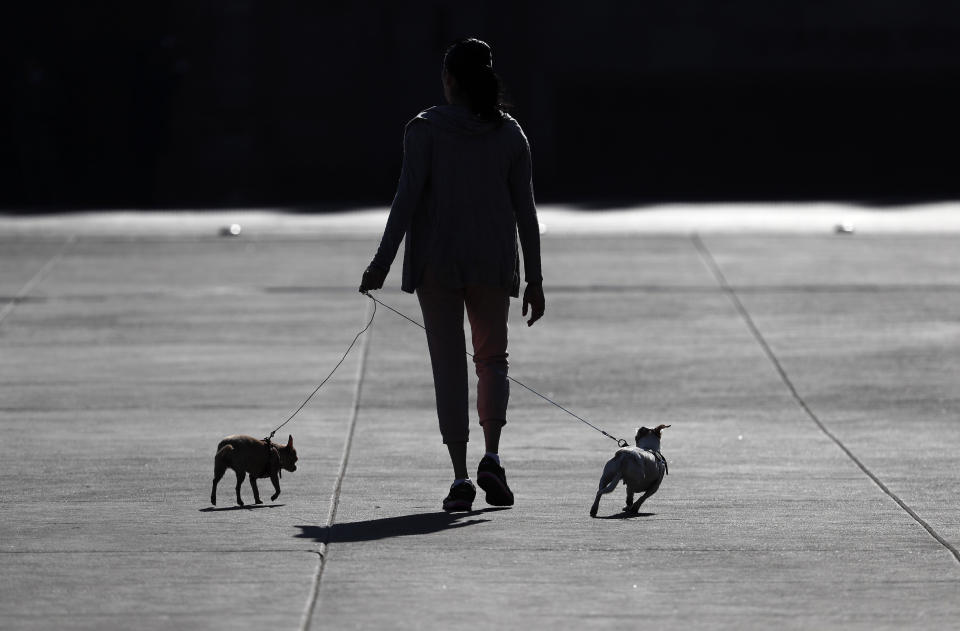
column 119, row 378
column 875, row 356
column 763, row 520
column 128, row 358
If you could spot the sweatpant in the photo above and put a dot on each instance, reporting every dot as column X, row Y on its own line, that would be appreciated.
column 487, row 308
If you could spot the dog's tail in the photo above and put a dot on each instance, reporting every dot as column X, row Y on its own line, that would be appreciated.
column 224, row 457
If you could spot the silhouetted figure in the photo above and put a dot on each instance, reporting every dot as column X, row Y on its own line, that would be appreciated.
column 465, row 192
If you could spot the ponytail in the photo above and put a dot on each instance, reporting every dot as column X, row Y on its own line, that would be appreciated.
column 470, row 62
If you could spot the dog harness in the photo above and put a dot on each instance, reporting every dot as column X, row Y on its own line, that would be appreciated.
column 660, row 458
column 271, row 451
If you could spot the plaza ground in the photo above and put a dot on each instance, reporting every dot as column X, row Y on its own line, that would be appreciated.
column 810, row 378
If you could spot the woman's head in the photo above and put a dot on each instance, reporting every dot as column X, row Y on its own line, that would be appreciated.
column 469, row 79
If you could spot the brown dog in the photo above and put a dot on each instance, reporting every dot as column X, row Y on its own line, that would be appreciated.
column 246, row 454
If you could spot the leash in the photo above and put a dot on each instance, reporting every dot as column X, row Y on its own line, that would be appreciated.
column 620, row 442
column 327, row 378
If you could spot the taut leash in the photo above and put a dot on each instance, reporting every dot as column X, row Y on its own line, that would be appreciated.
column 621, row 442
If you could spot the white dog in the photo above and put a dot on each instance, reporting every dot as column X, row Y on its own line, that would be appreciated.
column 641, row 468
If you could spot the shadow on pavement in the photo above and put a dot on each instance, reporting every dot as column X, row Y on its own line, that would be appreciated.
column 625, row 515
column 217, row 509
column 404, row 525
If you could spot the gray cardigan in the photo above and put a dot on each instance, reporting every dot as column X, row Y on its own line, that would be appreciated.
column 465, row 192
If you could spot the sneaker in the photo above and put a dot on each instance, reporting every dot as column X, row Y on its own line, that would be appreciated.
column 460, row 497
column 493, row 479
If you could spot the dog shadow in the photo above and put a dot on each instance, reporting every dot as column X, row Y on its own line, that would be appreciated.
column 625, row 515
column 387, row 527
column 217, row 509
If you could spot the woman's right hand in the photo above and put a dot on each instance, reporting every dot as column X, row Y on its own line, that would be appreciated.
column 373, row 278
column 533, row 298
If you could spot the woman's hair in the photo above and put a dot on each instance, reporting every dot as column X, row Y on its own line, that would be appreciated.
column 470, row 62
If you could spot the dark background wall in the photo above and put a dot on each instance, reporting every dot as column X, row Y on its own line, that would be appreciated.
column 237, row 102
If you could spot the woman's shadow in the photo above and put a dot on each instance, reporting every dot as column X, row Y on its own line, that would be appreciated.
column 401, row 526
column 625, row 515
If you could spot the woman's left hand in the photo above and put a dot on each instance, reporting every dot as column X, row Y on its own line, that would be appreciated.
column 533, row 298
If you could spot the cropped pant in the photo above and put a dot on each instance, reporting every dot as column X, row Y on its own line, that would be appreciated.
column 487, row 309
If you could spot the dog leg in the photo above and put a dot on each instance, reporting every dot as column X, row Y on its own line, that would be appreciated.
column 240, row 476
column 276, row 486
column 607, row 484
column 256, row 491
column 220, row 462
column 218, row 472
column 635, row 507
column 629, row 499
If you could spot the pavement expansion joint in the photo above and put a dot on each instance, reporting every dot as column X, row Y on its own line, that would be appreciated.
column 322, row 555
column 731, row 293
column 36, row 279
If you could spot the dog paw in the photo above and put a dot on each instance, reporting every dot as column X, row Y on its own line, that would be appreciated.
column 259, row 501
column 273, row 498
column 593, row 512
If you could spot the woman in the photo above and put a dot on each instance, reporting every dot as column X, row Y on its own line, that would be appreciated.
column 465, row 193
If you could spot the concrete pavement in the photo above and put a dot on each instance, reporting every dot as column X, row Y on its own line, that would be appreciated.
column 809, row 377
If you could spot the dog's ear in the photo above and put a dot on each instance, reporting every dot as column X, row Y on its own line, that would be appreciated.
column 660, row 428
column 290, row 441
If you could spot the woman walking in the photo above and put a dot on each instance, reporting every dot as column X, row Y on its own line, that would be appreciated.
column 465, row 193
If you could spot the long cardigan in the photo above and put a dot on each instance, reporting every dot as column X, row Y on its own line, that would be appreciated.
column 464, row 195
